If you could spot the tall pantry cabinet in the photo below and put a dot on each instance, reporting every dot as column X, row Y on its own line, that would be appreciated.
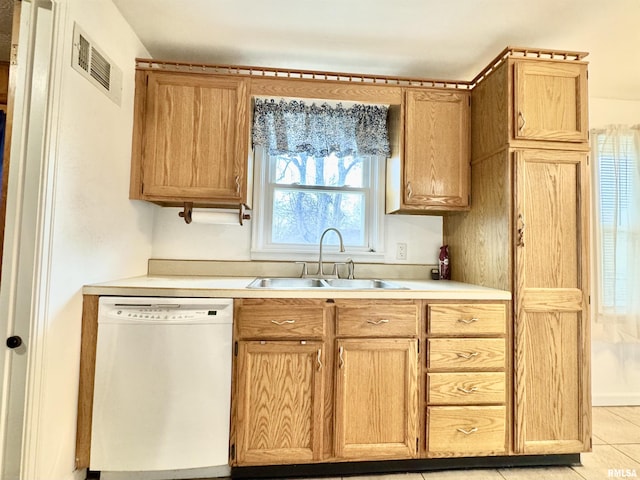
column 527, row 232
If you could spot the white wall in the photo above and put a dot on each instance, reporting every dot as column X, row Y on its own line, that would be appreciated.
column 97, row 233
column 615, row 366
column 174, row 239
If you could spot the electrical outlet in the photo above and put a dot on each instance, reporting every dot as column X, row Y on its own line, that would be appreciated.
column 401, row 251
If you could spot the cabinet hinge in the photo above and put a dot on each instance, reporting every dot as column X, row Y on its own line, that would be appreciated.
column 235, row 349
column 232, row 451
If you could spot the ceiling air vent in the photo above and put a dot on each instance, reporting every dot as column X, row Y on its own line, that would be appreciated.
column 95, row 66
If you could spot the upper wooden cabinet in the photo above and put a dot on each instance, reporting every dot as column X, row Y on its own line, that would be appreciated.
column 529, row 103
column 431, row 174
column 190, row 141
column 550, row 101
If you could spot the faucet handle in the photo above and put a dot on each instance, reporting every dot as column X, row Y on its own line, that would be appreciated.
column 351, row 267
column 334, row 271
column 304, row 272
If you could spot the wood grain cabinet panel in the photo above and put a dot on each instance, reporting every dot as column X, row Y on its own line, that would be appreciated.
column 376, row 411
column 466, row 388
column 552, row 341
column 465, row 354
column 377, row 320
column 190, row 138
column 550, row 101
column 436, row 155
column 280, row 318
column 467, row 319
column 280, row 402
column 466, row 431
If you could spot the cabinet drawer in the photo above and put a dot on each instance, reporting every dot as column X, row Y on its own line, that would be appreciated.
column 467, row 319
column 281, row 319
column 378, row 320
column 465, row 388
column 465, row 353
column 463, row 431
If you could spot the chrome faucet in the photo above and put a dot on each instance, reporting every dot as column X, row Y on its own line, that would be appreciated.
column 320, row 273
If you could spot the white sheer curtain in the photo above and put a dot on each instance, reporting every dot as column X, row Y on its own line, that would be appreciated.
column 616, row 219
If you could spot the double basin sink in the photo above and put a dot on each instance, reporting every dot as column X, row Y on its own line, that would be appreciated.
column 312, row 283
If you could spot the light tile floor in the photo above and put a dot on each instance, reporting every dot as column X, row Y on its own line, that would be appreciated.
column 616, row 452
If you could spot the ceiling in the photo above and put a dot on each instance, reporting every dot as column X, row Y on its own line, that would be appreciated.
column 451, row 39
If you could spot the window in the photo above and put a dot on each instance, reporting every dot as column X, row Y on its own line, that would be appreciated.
column 317, row 167
column 616, row 217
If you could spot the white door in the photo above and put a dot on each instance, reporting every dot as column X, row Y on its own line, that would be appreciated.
column 18, row 288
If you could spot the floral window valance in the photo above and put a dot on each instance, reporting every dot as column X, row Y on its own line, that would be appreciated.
column 290, row 127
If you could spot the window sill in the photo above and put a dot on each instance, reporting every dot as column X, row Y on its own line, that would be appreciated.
column 329, row 257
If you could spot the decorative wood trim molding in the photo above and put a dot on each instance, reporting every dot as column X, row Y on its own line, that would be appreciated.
column 522, row 52
column 296, row 74
column 301, row 74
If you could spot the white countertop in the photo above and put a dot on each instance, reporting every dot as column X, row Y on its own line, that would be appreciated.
column 236, row 287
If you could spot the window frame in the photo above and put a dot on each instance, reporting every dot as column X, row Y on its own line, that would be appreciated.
column 603, row 309
column 261, row 249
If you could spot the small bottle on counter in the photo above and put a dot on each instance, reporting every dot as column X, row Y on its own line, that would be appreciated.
column 443, row 263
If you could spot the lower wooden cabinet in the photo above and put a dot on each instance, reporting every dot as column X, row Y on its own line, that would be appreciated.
column 280, row 401
column 466, row 431
column 376, row 413
column 358, row 380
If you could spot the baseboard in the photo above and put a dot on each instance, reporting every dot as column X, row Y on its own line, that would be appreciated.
column 317, row 470
column 615, row 399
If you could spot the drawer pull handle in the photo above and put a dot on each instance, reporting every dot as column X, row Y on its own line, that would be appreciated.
column 283, row 322
column 340, row 357
column 319, row 359
column 470, row 390
column 468, row 355
column 468, row 432
column 520, row 240
column 373, row 322
column 523, row 123
column 467, row 322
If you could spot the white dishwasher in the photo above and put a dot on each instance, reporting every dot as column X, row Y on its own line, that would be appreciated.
column 162, row 384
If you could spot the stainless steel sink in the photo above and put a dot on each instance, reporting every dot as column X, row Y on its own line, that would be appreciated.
column 363, row 284
column 286, row 283
column 333, row 283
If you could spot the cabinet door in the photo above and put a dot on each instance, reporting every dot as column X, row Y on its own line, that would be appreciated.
column 376, row 398
column 550, row 101
column 195, row 138
column 551, row 302
column 280, row 402
column 436, row 146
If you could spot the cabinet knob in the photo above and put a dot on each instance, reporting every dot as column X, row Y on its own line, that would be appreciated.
column 14, row 342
